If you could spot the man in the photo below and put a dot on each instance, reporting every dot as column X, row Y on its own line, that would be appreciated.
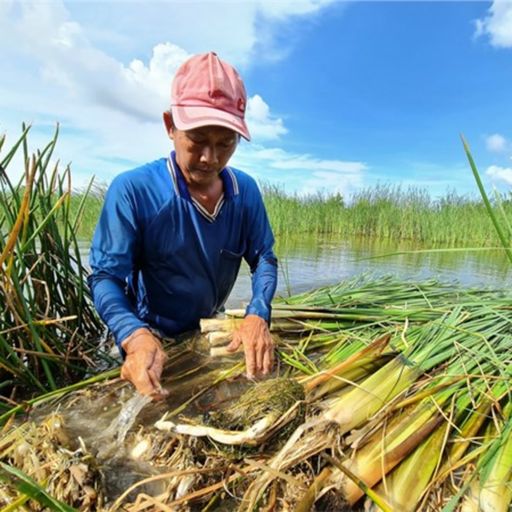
column 169, row 241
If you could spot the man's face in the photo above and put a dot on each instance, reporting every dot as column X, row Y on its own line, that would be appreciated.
column 203, row 152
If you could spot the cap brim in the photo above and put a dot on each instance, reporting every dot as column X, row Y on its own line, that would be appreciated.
column 189, row 117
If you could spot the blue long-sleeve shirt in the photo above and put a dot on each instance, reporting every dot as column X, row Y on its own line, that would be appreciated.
column 160, row 260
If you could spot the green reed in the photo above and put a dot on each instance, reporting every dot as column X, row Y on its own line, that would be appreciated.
column 500, row 214
column 93, row 198
column 382, row 212
column 48, row 320
column 385, row 212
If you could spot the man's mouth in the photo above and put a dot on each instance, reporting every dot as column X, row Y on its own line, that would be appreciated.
column 204, row 171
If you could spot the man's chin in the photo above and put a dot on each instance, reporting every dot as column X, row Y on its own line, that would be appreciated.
column 204, row 177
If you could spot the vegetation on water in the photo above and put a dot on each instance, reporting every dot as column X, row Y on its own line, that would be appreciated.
column 48, row 322
column 386, row 212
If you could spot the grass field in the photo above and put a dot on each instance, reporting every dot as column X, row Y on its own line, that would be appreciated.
column 381, row 212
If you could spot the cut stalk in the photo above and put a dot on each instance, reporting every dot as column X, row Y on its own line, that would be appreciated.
column 403, row 489
column 496, row 490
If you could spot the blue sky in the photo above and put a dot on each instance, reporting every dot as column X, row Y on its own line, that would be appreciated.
column 343, row 95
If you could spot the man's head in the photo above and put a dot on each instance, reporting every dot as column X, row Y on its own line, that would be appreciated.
column 206, row 119
column 207, row 91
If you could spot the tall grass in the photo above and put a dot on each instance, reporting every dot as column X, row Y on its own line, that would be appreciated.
column 93, row 198
column 382, row 212
column 386, row 212
column 315, row 213
column 48, row 322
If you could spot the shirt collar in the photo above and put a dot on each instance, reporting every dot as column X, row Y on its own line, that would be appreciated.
column 229, row 181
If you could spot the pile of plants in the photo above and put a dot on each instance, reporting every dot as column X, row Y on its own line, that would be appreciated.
column 390, row 392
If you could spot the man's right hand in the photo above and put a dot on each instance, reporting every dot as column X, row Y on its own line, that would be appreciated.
column 144, row 363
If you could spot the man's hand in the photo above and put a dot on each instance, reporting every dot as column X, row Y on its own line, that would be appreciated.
column 144, row 363
column 258, row 345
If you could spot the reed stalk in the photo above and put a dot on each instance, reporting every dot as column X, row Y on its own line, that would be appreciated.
column 48, row 324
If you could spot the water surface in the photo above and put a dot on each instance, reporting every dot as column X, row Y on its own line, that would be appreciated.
column 308, row 262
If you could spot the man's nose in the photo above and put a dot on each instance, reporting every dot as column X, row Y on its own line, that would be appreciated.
column 209, row 155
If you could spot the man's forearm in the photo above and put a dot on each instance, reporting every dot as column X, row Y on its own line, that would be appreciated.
column 264, row 283
column 114, row 307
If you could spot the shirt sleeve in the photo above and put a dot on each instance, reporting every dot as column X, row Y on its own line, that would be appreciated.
column 112, row 259
column 260, row 257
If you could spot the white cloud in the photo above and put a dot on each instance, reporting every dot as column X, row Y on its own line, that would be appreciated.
column 496, row 143
column 308, row 162
column 497, row 24
column 164, row 62
column 108, row 93
column 305, row 174
column 286, row 8
column 262, row 124
column 280, row 159
column 500, row 174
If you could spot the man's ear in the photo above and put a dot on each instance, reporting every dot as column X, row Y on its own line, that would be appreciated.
column 169, row 125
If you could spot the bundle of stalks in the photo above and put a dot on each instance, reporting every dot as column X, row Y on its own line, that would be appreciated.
column 421, row 350
column 47, row 320
column 379, row 402
column 428, row 346
column 491, row 491
column 362, row 301
column 416, row 475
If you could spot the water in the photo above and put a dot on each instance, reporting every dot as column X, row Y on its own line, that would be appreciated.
column 311, row 261
column 105, row 419
column 113, row 437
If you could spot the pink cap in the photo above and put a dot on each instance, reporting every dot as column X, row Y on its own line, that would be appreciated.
column 207, row 91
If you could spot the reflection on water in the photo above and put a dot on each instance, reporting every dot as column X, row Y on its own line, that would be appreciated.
column 309, row 261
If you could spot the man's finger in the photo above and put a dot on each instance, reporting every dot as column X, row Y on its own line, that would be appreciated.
column 260, row 353
column 143, row 383
column 158, row 364
column 159, row 392
column 268, row 360
column 137, row 374
column 235, row 344
column 250, row 361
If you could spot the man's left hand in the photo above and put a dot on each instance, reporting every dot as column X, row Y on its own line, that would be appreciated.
column 258, row 345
